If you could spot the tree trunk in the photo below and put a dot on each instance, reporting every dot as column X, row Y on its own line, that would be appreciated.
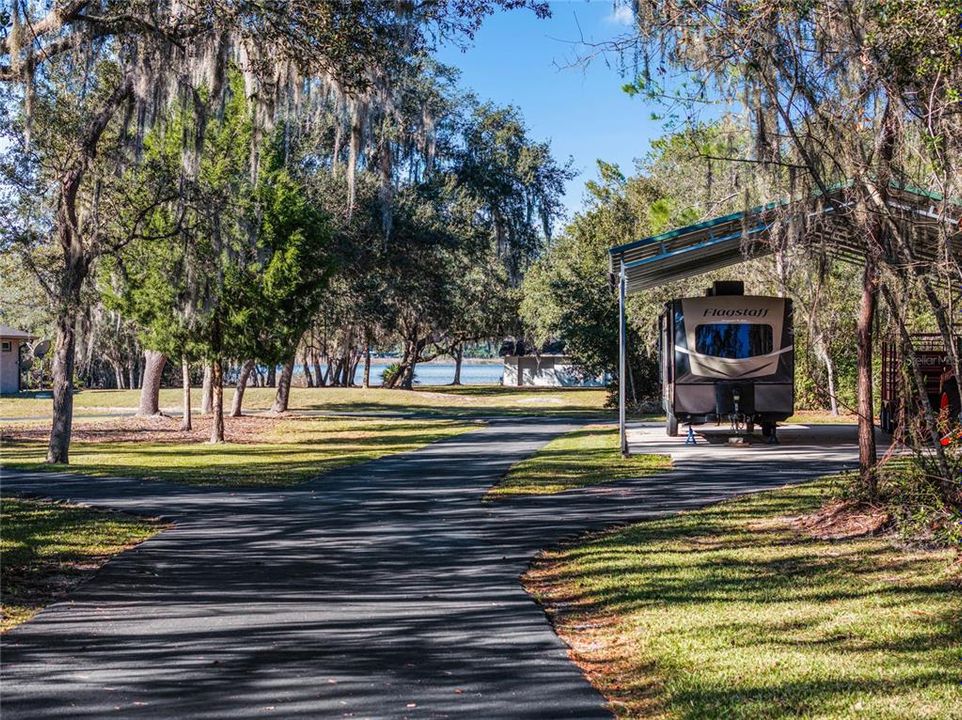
column 134, row 366
column 282, row 397
column 346, row 369
column 318, row 370
column 458, row 358
column 87, row 360
column 217, row 385
column 876, row 248
column 330, row 375
column 867, row 457
column 356, row 360
column 271, row 375
column 308, row 377
column 63, row 362
column 832, row 389
column 238, row 401
column 206, row 398
column 185, row 423
column 77, row 259
column 367, row 365
column 821, row 351
column 398, row 378
column 407, row 373
column 154, row 362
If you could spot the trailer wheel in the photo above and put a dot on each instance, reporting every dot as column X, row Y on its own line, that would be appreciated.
column 671, row 424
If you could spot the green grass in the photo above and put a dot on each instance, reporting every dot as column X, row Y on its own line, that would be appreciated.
column 576, row 459
column 820, row 417
column 727, row 612
column 297, row 450
column 47, row 547
column 442, row 400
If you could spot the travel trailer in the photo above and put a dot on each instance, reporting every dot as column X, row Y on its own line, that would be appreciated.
column 727, row 356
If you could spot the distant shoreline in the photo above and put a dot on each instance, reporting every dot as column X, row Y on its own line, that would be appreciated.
column 443, row 360
column 440, row 371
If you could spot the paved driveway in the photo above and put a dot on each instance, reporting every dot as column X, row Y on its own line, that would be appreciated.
column 381, row 590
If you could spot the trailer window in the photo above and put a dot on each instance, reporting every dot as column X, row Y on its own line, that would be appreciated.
column 733, row 340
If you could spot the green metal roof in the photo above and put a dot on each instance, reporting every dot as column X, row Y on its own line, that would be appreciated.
column 731, row 239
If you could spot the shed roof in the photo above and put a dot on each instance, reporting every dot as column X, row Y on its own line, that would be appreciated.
column 731, row 239
column 540, row 356
column 9, row 333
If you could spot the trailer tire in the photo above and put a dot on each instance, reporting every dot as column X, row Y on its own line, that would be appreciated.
column 671, row 424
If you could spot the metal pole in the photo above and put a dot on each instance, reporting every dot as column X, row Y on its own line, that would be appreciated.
column 622, row 363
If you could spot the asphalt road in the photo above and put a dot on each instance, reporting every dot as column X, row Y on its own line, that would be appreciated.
column 386, row 590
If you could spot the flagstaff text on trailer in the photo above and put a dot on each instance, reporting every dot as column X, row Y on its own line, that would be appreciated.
column 735, row 312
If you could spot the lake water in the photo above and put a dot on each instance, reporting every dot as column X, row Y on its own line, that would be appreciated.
column 434, row 373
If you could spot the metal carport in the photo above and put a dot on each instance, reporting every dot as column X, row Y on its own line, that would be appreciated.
column 826, row 226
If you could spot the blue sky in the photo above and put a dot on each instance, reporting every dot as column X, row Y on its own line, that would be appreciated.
column 519, row 60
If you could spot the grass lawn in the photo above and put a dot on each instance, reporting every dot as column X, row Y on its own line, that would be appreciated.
column 730, row 612
column 279, row 452
column 821, row 417
column 473, row 400
column 47, row 547
column 584, row 457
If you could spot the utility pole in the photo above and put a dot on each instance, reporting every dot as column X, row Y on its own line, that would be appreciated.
column 622, row 362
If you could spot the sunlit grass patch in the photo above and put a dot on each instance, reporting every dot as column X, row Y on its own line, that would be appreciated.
column 463, row 400
column 291, row 452
column 436, row 399
column 48, row 547
column 821, row 417
column 588, row 456
column 729, row 612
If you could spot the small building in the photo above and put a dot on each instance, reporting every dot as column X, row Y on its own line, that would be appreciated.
column 11, row 340
column 545, row 371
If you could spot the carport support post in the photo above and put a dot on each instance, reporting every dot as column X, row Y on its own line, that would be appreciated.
column 622, row 363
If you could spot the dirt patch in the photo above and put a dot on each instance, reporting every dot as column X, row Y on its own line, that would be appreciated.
column 841, row 519
column 248, row 429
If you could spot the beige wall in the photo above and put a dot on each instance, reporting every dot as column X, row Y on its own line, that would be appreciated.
column 9, row 369
column 551, row 371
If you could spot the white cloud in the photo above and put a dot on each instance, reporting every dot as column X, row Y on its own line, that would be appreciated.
column 621, row 14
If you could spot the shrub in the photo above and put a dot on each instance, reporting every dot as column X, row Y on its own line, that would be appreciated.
column 390, row 373
column 919, row 512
